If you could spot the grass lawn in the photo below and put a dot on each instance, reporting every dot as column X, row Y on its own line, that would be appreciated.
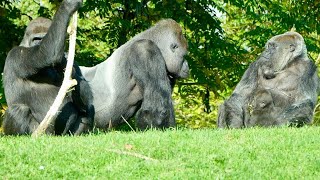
column 277, row 153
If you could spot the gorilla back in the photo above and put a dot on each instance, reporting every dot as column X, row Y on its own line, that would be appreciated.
column 138, row 78
column 33, row 74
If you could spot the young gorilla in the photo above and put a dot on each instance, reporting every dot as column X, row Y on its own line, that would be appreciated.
column 260, row 108
column 33, row 74
column 290, row 79
column 138, row 78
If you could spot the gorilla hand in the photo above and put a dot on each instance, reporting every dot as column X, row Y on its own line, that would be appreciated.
column 72, row 5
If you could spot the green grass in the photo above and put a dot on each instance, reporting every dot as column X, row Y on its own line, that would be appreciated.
column 278, row 153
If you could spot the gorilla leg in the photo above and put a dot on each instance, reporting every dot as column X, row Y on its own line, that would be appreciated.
column 82, row 97
column 148, row 68
column 18, row 120
column 299, row 114
column 231, row 113
column 222, row 116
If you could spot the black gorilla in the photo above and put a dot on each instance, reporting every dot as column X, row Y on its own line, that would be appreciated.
column 279, row 88
column 138, row 78
column 33, row 74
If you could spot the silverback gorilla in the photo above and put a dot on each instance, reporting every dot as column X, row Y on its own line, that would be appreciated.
column 138, row 78
column 33, row 74
column 279, row 88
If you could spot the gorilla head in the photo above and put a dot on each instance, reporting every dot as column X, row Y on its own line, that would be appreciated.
column 175, row 49
column 35, row 32
column 167, row 35
column 282, row 49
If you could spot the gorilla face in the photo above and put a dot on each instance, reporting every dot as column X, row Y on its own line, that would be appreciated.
column 282, row 49
column 179, row 66
column 35, row 32
column 174, row 48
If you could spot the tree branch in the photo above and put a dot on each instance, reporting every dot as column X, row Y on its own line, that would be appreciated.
column 66, row 84
column 131, row 154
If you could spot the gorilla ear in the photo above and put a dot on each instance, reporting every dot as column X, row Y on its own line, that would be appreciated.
column 292, row 47
column 300, row 48
column 173, row 46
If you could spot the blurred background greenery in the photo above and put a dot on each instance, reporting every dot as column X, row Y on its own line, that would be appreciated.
column 224, row 37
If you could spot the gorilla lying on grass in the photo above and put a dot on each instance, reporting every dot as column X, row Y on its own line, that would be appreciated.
column 138, row 78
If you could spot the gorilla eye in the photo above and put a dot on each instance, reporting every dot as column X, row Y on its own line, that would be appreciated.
column 272, row 45
column 37, row 39
column 174, row 46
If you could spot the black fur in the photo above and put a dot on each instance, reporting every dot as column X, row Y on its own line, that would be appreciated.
column 279, row 88
column 33, row 74
column 137, row 79
column 149, row 69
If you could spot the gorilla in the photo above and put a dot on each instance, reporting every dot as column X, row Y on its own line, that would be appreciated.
column 279, row 88
column 33, row 74
column 137, row 79
column 260, row 107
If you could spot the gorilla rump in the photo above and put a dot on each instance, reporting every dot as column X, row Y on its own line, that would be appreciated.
column 279, row 88
column 33, row 74
column 138, row 78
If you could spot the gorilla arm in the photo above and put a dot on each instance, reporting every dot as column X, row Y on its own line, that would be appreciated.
column 301, row 111
column 231, row 112
column 28, row 60
column 149, row 70
column 28, row 100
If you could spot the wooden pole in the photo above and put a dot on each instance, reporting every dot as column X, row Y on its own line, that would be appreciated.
column 66, row 84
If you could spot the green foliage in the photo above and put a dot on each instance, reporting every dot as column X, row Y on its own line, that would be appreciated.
column 191, row 111
column 275, row 153
column 253, row 22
